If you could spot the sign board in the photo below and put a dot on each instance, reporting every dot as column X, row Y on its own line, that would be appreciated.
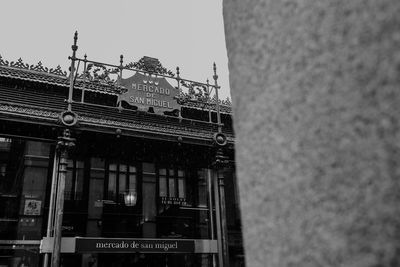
column 128, row 245
column 32, row 207
column 112, row 245
column 149, row 91
column 174, row 201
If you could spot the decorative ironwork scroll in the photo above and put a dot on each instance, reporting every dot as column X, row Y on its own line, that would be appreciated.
column 196, row 92
column 100, row 74
column 151, row 65
column 37, row 68
column 58, row 71
column 19, row 64
column 3, row 62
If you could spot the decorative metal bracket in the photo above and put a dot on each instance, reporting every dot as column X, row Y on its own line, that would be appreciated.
column 65, row 142
column 220, row 159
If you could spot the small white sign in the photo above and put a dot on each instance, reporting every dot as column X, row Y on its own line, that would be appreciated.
column 32, row 207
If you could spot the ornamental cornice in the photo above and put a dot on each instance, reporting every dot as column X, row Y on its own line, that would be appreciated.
column 153, row 127
column 29, row 111
column 38, row 113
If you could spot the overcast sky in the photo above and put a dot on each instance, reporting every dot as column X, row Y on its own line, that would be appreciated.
column 184, row 33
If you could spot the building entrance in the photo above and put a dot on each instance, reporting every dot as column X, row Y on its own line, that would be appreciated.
column 146, row 260
column 136, row 260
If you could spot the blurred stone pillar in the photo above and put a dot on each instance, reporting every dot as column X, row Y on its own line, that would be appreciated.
column 316, row 93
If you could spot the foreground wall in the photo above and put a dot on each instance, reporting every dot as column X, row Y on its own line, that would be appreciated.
column 316, row 94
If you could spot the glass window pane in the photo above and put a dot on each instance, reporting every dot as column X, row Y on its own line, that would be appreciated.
column 122, row 183
column 122, row 168
column 132, row 169
column 163, row 187
column 171, row 172
column 181, row 173
column 113, row 167
column 112, row 185
column 68, row 185
column 163, row 172
column 171, row 185
column 181, row 188
column 70, row 164
column 202, row 196
column 149, row 202
column 97, row 163
column 79, row 164
column 79, row 185
column 5, row 144
column 34, row 148
column 132, row 182
column 149, row 168
column 96, row 188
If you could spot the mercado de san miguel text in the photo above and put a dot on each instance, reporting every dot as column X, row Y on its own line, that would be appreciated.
column 115, row 165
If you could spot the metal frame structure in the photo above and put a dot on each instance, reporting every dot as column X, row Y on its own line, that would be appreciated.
column 69, row 119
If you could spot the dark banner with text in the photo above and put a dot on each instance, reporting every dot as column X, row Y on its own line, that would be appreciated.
column 114, row 245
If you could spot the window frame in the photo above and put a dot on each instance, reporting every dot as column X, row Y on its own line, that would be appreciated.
column 127, row 173
column 172, row 173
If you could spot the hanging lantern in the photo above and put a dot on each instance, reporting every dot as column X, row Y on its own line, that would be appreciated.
column 130, row 198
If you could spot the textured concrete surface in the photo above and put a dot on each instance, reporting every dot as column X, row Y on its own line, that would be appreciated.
column 316, row 93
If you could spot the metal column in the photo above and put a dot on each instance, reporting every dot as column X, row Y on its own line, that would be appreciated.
column 218, row 219
column 64, row 144
column 211, row 211
column 224, row 227
column 50, row 219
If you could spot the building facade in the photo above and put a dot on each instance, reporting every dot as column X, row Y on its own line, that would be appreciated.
column 130, row 171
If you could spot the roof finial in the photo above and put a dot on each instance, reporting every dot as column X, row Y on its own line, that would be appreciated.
column 215, row 72
column 74, row 46
column 215, row 77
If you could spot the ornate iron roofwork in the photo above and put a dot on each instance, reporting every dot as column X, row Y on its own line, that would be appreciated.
column 99, row 74
column 98, row 78
column 3, row 62
column 58, row 71
column 38, row 67
column 19, row 64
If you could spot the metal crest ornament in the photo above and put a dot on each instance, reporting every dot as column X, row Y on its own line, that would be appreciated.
column 3, row 62
column 39, row 67
column 150, row 91
column 151, row 65
column 19, row 64
column 226, row 102
column 58, row 71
